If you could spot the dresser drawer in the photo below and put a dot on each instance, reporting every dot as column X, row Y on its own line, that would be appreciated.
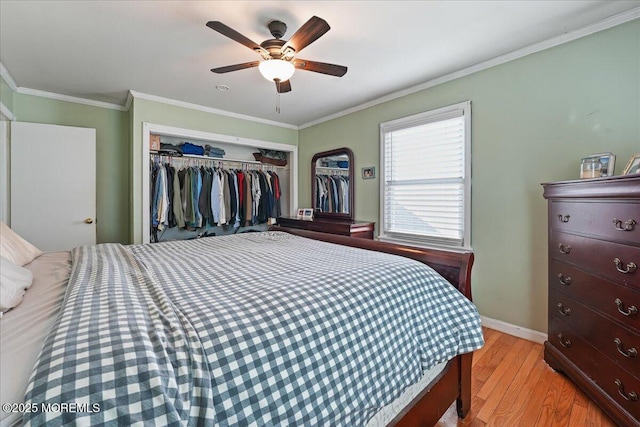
column 619, row 302
column 599, row 368
column 606, row 259
column 613, row 340
column 569, row 343
column 615, row 220
column 333, row 229
column 359, row 229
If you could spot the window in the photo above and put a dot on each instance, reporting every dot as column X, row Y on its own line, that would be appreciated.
column 426, row 178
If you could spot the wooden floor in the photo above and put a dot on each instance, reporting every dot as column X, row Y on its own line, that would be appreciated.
column 513, row 386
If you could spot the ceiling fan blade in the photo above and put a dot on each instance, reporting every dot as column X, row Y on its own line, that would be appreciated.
column 234, row 35
column 283, row 87
column 311, row 31
column 320, row 67
column 236, row 67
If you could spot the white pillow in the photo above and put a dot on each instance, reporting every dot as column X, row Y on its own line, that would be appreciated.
column 15, row 248
column 14, row 281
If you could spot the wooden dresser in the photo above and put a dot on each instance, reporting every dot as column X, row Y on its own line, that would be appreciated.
column 594, row 290
column 346, row 228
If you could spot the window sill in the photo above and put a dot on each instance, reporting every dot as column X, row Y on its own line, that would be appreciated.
column 424, row 245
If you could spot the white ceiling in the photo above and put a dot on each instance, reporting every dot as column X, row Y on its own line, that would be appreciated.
column 101, row 49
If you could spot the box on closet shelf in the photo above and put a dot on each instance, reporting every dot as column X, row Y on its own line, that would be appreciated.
column 154, row 142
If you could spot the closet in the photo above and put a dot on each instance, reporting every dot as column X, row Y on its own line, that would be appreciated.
column 200, row 187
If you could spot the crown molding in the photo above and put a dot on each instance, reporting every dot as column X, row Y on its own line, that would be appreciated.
column 6, row 75
column 67, row 98
column 6, row 112
column 198, row 107
column 602, row 25
column 129, row 102
column 51, row 95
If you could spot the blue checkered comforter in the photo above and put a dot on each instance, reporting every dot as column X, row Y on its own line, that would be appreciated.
column 264, row 329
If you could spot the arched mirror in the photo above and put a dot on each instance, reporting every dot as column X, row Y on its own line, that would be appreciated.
column 332, row 184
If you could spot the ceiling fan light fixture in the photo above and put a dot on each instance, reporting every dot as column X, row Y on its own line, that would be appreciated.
column 276, row 69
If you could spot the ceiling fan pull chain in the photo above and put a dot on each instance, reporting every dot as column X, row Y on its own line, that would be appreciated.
column 277, row 95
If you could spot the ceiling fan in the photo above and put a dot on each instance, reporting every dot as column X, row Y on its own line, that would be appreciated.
column 279, row 60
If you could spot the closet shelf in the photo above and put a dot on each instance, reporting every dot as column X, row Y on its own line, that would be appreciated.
column 214, row 159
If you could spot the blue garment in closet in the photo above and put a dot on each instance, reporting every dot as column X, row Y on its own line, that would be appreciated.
column 189, row 148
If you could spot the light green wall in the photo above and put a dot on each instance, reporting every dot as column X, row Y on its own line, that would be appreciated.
column 186, row 118
column 119, row 145
column 6, row 95
column 112, row 155
column 532, row 121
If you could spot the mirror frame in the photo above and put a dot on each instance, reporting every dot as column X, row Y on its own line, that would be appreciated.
column 331, row 215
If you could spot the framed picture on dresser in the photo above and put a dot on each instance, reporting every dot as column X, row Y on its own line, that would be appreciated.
column 607, row 163
column 633, row 166
column 304, row 213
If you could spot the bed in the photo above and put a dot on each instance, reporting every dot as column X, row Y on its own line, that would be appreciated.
column 285, row 327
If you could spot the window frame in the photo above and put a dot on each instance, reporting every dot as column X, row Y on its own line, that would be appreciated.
column 431, row 116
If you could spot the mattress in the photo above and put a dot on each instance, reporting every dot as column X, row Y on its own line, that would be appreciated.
column 24, row 328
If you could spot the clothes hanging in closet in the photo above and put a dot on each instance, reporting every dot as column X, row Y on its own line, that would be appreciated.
column 193, row 197
column 332, row 193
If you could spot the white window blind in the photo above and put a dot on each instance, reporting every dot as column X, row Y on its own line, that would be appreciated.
column 425, row 182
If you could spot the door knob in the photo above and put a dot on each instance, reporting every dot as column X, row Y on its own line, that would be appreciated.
column 89, row 220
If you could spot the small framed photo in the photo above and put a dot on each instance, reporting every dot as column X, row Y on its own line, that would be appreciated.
column 633, row 166
column 300, row 213
column 607, row 163
column 369, row 172
column 307, row 214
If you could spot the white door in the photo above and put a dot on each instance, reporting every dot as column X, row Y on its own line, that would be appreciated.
column 4, row 169
column 53, row 185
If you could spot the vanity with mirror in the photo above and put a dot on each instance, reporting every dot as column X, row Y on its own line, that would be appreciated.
column 332, row 197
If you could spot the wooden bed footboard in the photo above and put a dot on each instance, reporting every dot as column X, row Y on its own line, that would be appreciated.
column 454, row 383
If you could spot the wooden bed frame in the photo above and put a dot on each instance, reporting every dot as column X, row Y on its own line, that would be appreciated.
column 454, row 382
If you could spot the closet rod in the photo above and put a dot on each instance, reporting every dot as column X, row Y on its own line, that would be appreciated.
column 323, row 170
column 332, row 169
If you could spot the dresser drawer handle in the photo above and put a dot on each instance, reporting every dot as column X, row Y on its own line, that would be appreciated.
column 630, row 268
column 628, row 225
column 632, row 352
column 632, row 395
column 564, row 249
column 566, row 343
column 628, row 312
column 563, row 218
column 564, row 280
column 565, row 311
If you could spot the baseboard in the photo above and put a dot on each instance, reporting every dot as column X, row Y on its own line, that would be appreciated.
column 515, row 330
